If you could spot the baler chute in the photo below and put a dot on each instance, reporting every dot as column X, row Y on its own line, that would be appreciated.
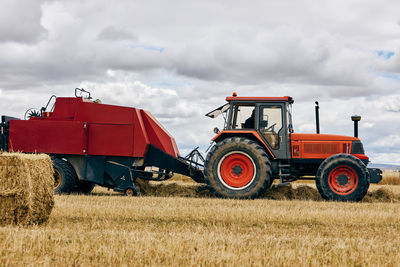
column 103, row 144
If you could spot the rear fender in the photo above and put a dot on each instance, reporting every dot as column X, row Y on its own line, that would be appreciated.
column 252, row 135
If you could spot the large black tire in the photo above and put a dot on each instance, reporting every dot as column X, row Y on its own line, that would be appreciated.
column 84, row 187
column 65, row 177
column 237, row 168
column 342, row 177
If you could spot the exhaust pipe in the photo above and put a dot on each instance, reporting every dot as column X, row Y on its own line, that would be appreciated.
column 317, row 116
column 356, row 119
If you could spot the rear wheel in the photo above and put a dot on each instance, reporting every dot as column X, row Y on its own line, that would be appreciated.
column 342, row 177
column 64, row 176
column 237, row 168
column 84, row 187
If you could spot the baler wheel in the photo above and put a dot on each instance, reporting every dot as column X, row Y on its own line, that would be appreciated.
column 237, row 168
column 342, row 177
column 131, row 192
column 64, row 176
column 84, row 187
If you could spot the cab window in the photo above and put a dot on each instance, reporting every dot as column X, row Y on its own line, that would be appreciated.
column 243, row 117
column 270, row 124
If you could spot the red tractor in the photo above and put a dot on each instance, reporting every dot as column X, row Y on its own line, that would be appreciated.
column 258, row 145
column 93, row 143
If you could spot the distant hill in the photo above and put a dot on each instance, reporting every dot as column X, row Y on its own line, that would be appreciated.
column 384, row 166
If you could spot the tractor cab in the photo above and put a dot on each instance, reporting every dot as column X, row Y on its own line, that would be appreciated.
column 268, row 118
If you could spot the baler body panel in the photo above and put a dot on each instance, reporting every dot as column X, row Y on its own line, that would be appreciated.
column 111, row 139
column 158, row 136
column 47, row 136
column 79, row 127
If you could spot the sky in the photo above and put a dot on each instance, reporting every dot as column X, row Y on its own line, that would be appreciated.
column 180, row 59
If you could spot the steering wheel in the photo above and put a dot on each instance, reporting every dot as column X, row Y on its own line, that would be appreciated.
column 271, row 127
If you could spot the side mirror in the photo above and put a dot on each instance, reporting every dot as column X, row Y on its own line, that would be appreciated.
column 216, row 130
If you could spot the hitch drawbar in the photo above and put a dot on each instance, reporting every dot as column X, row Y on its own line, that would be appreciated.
column 186, row 166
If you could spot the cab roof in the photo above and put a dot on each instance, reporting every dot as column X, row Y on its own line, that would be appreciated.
column 273, row 99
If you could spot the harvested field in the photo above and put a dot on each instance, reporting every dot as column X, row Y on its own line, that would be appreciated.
column 26, row 188
column 109, row 229
column 391, row 178
column 173, row 224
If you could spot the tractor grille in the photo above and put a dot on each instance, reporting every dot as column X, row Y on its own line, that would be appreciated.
column 357, row 148
column 321, row 148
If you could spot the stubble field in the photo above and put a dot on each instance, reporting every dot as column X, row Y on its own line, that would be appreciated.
column 289, row 226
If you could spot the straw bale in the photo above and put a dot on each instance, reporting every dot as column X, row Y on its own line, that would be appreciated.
column 26, row 188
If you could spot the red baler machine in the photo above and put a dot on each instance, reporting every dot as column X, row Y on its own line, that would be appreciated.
column 105, row 144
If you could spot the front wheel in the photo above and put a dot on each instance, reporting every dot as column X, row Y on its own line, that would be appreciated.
column 237, row 168
column 342, row 177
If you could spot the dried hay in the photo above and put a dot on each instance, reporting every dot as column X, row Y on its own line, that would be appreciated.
column 170, row 189
column 381, row 195
column 390, row 178
column 26, row 188
column 289, row 192
column 285, row 192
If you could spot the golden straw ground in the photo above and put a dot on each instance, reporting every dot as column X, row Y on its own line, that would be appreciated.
column 106, row 228
column 103, row 230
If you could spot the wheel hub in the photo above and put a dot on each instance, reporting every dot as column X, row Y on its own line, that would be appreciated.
column 57, row 178
column 342, row 180
column 237, row 170
column 129, row 192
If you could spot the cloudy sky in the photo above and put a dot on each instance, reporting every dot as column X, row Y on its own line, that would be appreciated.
column 180, row 59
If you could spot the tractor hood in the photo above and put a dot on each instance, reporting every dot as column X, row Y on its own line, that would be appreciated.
column 322, row 137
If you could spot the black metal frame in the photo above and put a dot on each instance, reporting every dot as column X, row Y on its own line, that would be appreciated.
column 4, row 131
column 120, row 173
column 82, row 91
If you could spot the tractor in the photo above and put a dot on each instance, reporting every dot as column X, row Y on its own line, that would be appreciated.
column 258, row 145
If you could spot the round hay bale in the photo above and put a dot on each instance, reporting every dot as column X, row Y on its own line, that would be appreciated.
column 26, row 188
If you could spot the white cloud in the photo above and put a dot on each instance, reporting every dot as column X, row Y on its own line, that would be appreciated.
column 180, row 59
column 20, row 21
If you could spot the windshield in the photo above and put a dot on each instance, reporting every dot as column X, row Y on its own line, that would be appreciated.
column 243, row 116
column 218, row 111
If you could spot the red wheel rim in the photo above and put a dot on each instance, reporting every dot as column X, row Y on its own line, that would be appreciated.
column 236, row 170
column 343, row 180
